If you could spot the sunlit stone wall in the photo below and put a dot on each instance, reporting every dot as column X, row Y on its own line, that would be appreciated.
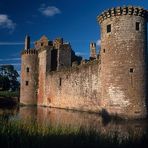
column 75, row 88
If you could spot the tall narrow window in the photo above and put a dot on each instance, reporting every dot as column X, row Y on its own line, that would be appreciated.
column 137, row 26
column 27, row 69
column 60, row 82
column 103, row 50
column 131, row 70
column 108, row 28
column 27, row 83
column 42, row 44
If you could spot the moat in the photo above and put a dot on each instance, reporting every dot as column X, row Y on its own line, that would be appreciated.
column 65, row 118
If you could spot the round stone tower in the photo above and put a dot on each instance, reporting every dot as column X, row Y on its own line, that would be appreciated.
column 29, row 75
column 123, row 61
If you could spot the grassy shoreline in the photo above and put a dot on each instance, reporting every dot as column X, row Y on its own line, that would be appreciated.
column 8, row 99
column 9, row 94
column 23, row 134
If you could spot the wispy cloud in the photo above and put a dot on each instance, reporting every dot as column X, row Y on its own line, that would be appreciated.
column 11, row 43
column 11, row 59
column 81, row 54
column 29, row 22
column 49, row 11
column 14, row 64
column 5, row 22
column 98, row 43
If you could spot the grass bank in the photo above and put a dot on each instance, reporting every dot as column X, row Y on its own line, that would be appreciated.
column 9, row 94
column 29, row 134
column 8, row 99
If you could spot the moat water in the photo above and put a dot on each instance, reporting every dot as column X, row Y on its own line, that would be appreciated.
column 60, row 117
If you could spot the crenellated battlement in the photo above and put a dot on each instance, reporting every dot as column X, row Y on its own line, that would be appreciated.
column 125, row 10
column 30, row 51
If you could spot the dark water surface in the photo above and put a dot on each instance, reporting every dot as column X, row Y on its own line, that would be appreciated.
column 60, row 117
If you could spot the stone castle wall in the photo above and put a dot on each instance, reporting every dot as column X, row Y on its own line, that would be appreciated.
column 75, row 88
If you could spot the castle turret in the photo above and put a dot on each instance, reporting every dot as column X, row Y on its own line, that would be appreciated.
column 27, row 42
column 29, row 74
column 123, row 61
column 93, row 54
column 58, row 42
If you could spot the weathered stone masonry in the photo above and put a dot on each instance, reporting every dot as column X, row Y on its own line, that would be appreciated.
column 114, row 80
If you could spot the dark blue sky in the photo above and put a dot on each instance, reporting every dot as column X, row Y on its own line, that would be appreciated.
column 74, row 20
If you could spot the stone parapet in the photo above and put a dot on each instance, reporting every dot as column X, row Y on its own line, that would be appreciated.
column 30, row 51
column 125, row 10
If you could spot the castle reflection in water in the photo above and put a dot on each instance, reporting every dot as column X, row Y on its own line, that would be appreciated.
column 59, row 117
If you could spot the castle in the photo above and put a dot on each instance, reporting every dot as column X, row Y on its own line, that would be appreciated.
column 115, row 80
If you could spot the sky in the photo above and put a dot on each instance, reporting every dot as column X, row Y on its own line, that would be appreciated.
column 73, row 20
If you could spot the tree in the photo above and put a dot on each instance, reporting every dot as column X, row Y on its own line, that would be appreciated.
column 4, row 83
column 8, row 78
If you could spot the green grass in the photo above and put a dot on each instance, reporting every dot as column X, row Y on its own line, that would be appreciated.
column 8, row 99
column 9, row 94
column 24, row 134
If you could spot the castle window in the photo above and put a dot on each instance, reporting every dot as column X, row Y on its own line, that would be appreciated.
column 27, row 83
column 137, row 26
column 103, row 50
column 60, row 82
column 108, row 28
column 131, row 70
column 41, row 44
column 137, row 112
column 27, row 69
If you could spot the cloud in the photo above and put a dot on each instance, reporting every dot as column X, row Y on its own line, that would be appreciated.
column 49, row 11
column 11, row 43
column 14, row 64
column 81, row 54
column 5, row 22
column 14, row 43
column 98, row 42
column 29, row 22
column 11, row 59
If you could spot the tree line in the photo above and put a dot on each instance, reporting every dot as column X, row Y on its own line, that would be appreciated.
column 8, row 78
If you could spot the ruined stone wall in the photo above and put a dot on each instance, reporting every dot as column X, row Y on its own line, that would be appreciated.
column 64, row 56
column 123, row 66
column 29, row 77
column 75, row 88
column 44, row 65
